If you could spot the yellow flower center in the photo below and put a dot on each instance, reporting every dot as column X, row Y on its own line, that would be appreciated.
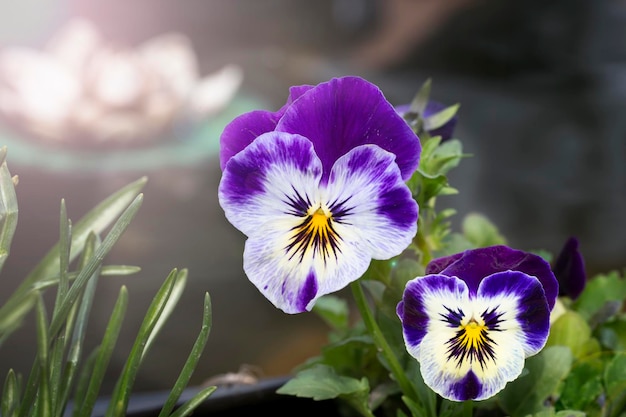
column 315, row 233
column 471, row 343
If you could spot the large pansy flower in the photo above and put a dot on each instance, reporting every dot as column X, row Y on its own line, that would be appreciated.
column 318, row 187
column 475, row 317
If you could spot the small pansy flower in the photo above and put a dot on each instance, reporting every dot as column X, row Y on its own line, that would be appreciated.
column 318, row 187
column 475, row 316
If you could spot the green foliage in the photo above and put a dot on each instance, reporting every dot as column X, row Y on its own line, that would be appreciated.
column 529, row 393
column 62, row 373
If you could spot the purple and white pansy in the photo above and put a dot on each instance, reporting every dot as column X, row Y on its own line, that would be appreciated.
column 475, row 316
column 318, row 188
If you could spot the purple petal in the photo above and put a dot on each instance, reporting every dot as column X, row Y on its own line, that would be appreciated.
column 347, row 112
column 475, row 264
column 271, row 161
column 367, row 182
column 533, row 313
column 569, row 269
column 413, row 309
column 242, row 130
column 467, row 388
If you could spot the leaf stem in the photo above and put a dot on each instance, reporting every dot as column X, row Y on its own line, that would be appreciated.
column 396, row 369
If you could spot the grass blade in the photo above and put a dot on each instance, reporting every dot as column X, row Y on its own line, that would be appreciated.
column 96, row 221
column 107, row 244
column 104, row 355
column 192, row 360
column 188, row 407
column 172, row 300
column 121, row 394
column 10, row 395
column 65, row 236
column 44, row 402
column 106, row 270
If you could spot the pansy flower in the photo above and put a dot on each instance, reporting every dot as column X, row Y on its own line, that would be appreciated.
column 318, row 188
column 475, row 316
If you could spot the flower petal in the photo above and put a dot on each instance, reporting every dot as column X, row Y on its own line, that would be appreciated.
column 346, row 112
column 382, row 215
column 486, row 336
column 424, row 300
column 242, row 130
column 255, row 181
column 472, row 265
column 528, row 313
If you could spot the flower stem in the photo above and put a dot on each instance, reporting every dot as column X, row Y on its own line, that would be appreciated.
column 468, row 408
column 396, row 369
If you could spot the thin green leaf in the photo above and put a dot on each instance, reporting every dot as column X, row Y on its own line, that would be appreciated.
column 30, row 392
column 82, row 385
column 44, row 402
column 441, row 118
column 8, row 208
column 65, row 237
column 192, row 360
column 188, row 407
column 77, row 329
column 123, row 387
column 10, row 395
column 172, row 300
column 106, row 270
column 97, row 220
column 55, row 369
column 107, row 244
column 104, row 355
column 418, row 105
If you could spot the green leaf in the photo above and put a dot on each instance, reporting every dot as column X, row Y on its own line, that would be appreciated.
column 188, row 407
column 528, row 393
column 583, row 386
column 8, row 208
column 418, row 105
column 103, row 356
column 96, row 221
column 170, row 303
column 322, row 383
column 44, row 402
column 570, row 330
column 190, row 365
column 441, row 118
column 10, row 395
column 90, row 268
column 105, row 271
column 613, row 334
column 570, row 413
column 598, row 291
column 615, row 377
column 123, row 387
column 333, row 310
column 480, row 231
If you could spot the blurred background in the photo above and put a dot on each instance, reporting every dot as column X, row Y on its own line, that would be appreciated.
column 542, row 87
